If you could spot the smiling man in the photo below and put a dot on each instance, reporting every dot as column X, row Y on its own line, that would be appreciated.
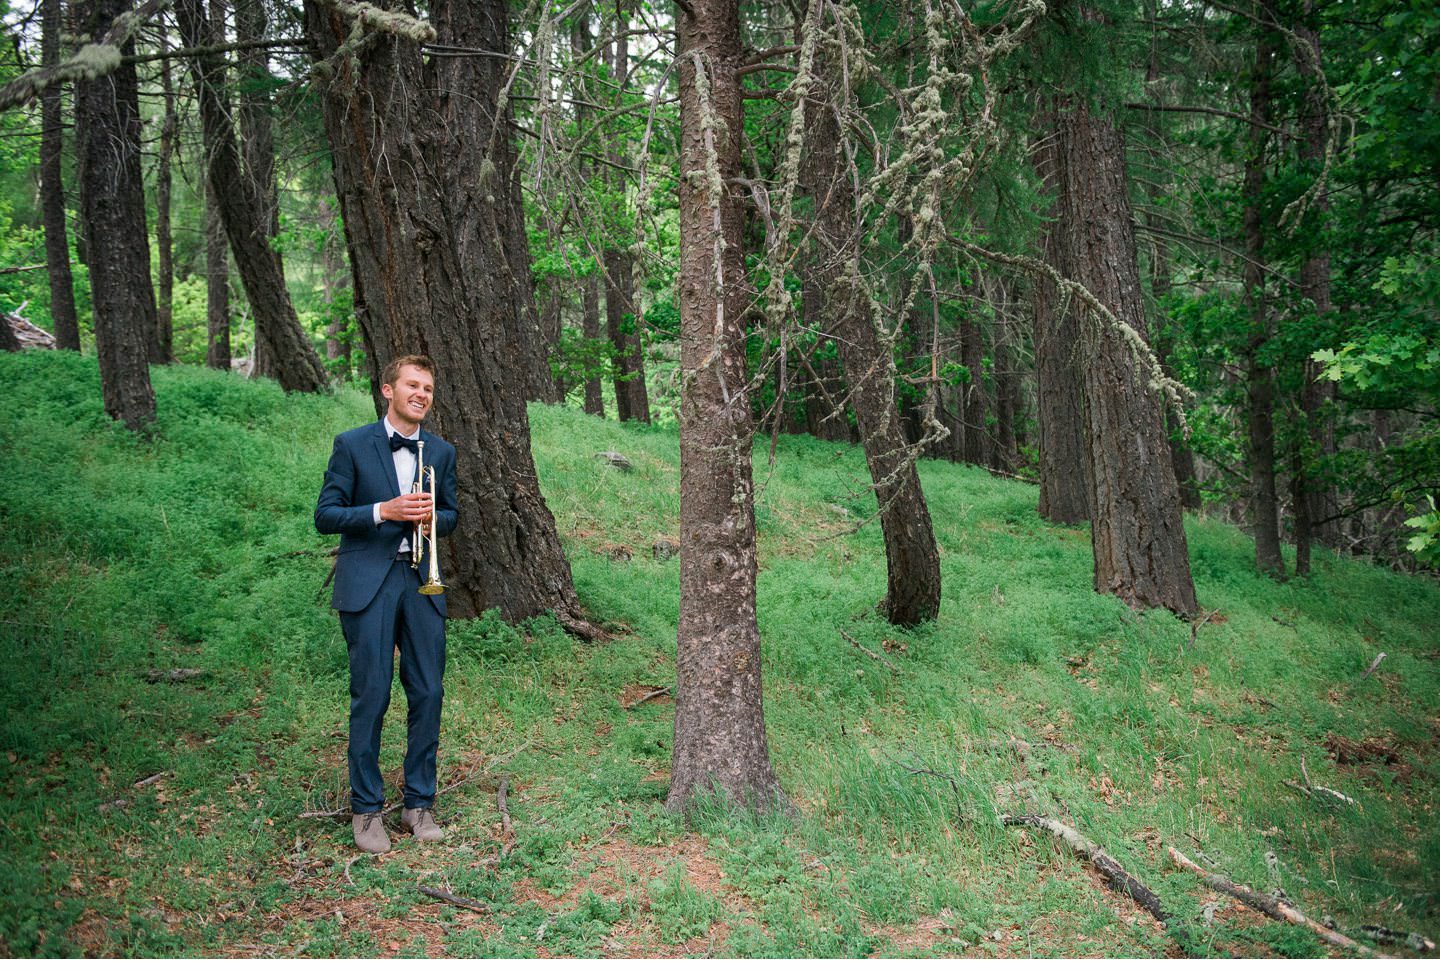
column 367, row 500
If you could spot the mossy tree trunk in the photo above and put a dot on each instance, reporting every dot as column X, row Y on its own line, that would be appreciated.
column 720, row 743
column 911, row 555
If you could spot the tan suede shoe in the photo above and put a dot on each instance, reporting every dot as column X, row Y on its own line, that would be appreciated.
column 421, row 822
column 370, row 834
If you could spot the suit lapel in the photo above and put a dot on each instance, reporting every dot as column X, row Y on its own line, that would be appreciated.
column 382, row 453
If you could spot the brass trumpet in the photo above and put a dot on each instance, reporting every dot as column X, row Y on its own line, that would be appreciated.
column 432, row 585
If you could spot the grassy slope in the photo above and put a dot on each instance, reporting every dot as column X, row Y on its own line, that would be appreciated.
column 196, row 550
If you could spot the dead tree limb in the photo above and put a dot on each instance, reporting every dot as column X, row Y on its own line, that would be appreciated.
column 1272, row 908
column 452, row 899
column 1114, row 873
column 661, row 692
column 1374, row 665
column 506, row 829
column 869, row 653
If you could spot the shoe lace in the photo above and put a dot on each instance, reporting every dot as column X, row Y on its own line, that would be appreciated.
column 368, row 817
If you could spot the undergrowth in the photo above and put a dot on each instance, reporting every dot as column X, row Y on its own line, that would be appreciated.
column 156, row 818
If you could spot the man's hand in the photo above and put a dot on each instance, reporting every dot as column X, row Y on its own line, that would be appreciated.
column 414, row 507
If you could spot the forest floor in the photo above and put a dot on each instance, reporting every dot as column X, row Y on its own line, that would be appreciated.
column 151, row 816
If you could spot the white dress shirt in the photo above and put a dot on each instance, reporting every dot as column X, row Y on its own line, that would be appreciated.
column 404, row 460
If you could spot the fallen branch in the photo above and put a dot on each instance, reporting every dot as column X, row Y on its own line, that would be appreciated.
column 452, row 899
column 1312, row 789
column 1195, row 625
column 1272, row 908
column 1113, row 872
column 648, row 697
column 152, row 779
column 869, row 653
column 177, row 676
column 1387, row 937
column 1374, row 665
column 506, row 829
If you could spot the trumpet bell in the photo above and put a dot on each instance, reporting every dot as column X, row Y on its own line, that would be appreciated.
column 432, row 588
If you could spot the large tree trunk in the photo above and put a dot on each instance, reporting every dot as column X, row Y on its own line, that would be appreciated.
column 112, row 214
column 280, row 341
column 52, row 189
column 1137, row 531
column 423, row 160
column 1065, row 490
column 912, row 558
column 1260, row 372
column 162, row 350
column 720, row 742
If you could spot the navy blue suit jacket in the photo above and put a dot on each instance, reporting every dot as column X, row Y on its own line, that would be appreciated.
column 361, row 473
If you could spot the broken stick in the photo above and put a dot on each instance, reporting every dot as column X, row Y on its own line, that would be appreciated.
column 869, row 653
column 1113, row 872
column 1374, row 665
column 500, row 793
column 1271, row 907
column 452, row 899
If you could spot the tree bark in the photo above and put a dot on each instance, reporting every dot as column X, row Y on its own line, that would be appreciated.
column 217, row 286
column 1065, row 489
column 1137, row 532
column 1312, row 500
column 52, row 189
column 1259, row 371
column 1006, row 455
column 424, row 157
column 911, row 555
column 112, row 214
column 162, row 350
column 720, row 743
column 280, row 341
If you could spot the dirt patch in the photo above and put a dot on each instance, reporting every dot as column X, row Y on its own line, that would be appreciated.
column 1368, row 757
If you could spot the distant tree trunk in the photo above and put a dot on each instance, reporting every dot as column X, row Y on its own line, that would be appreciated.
column 912, row 557
column 257, row 139
column 423, row 161
column 1182, row 459
column 217, row 286
column 217, row 251
column 590, row 327
column 973, row 397
column 720, row 742
column 337, row 349
column 1136, row 527
column 52, row 189
column 1065, row 490
column 1314, row 502
column 1006, row 455
column 279, row 338
column 822, row 385
column 551, row 327
column 622, row 315
column 162, row 350
column 1260, row 373
column 112, row 214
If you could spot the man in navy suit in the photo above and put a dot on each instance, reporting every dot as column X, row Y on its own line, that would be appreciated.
column 367, row 500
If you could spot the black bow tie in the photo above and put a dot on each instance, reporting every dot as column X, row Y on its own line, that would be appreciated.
column 397, row 441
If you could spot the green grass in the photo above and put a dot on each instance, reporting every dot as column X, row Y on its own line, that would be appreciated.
column 194, row 548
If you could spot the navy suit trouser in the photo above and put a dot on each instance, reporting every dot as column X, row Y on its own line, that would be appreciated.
column 398, row 615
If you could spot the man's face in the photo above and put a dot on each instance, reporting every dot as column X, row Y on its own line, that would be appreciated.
column 411, row 394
